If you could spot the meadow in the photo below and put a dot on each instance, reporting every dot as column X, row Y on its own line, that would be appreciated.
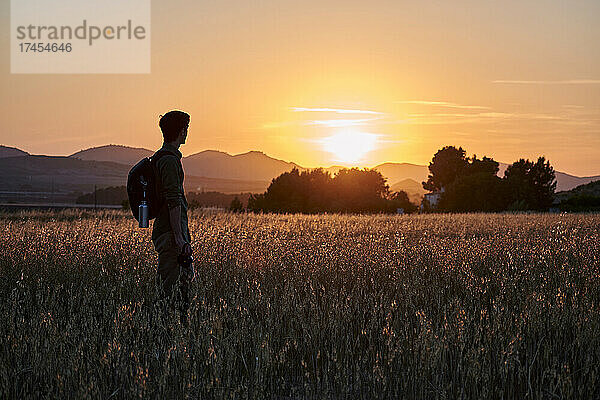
column 471, row 306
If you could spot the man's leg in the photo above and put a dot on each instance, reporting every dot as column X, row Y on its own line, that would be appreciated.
column 169, row 273
column 184, row 291
column 168, row 268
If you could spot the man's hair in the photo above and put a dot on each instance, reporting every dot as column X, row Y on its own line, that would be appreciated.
column 172, row 123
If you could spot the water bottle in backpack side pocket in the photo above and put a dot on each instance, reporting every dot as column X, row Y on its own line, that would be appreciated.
column 144, row 212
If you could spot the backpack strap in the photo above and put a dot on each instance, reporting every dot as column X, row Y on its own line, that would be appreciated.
column 156, row 156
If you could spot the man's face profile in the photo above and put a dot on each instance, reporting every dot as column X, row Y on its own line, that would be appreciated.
column 184, row 133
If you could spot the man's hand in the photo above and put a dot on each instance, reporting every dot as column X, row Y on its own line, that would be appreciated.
column 182, row 246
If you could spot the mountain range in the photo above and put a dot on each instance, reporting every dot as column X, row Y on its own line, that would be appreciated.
column 11, row 152
column 208, row 170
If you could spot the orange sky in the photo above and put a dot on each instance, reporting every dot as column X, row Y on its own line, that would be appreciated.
column 502, row 79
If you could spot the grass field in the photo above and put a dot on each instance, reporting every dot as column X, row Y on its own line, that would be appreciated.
column 420, row 307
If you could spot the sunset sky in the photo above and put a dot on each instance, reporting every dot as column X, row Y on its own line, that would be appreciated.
column 337, row 82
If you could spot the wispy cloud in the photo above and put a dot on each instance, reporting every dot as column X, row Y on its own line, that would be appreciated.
column 341, row 123
column 562, row 82
column 335, row 110
column 330, row 123
column 496, row 117
column 443, row 104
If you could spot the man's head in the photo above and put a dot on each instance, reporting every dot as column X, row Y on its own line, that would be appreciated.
column 174, row 126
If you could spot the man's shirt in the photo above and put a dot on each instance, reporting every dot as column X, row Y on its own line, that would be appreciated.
column 170, row 188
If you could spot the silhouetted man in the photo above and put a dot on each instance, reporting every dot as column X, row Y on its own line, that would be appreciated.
column 170, row 233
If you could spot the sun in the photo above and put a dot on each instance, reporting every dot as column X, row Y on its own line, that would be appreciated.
column 349, row 146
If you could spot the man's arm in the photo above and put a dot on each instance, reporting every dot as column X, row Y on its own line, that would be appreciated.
column 175, row 219
column 168, row 167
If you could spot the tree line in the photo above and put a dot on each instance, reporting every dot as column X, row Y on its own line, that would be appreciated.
column 471, row 184
column 462, row 184
column 317, row 191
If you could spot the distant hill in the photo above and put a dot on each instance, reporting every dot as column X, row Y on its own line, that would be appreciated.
column 568, row 182
column 588, row 189
column 70, row 174
column 413, row 189
column 6, row 151
column 115, row 153
column 254, row 166
column 583, row 198
column 396, row 172
column 251, row 166
column 52, row 173
column 209, row 170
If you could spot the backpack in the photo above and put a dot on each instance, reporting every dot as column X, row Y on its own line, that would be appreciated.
column 142, row 184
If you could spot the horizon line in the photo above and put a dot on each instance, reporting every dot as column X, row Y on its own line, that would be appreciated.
column 274, row 158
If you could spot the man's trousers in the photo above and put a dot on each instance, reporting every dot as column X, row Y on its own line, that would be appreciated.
column 170, row 274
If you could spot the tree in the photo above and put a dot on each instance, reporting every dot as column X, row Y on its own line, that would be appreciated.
column 319, row 185
column 236, row 205
column 359, row 190
column 447, row 164
column 256, row 202
column 295, row 191
column 581, row 202
column 485, row 166
column 400, row 200
column 544, row 183
column 531, row 185
column 285, row 193
column 480, row 191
